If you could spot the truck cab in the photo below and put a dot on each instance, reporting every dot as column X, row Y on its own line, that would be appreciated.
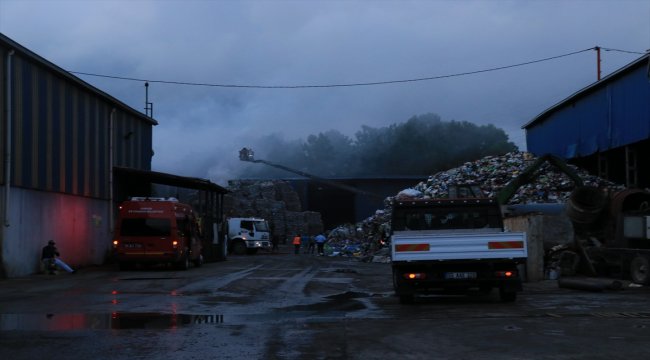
column 248, row 235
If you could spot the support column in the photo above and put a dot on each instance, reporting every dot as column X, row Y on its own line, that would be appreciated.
column 631, row 169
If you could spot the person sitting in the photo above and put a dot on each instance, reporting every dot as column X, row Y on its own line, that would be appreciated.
column 50, row 258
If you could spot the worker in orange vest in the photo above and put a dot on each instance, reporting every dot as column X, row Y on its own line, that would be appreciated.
column 296, row 244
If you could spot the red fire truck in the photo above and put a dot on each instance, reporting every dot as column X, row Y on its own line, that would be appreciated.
column 157, row 230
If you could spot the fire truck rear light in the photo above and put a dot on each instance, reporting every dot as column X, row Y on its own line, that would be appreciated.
column 415, row 276
column 505, row 274
column 116, row 243
column 175, row 243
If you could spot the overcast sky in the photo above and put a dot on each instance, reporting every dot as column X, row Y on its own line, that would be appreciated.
column 297, row 43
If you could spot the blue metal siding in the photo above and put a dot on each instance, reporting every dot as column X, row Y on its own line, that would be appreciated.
column 18, row 127
column 103, row 114
column 55, row 113
column 41, row 178
column 630, row 108
column 68, row 134
column 81, row 152
column 612, row 115
column 27, row 144
column 576, row 129
column 60, row 131
column 93, row 140
column 3, row 105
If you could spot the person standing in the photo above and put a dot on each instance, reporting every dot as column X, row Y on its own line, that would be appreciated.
column 296, row 244
column 309, row 241
column 320, row 243
column 50, row 258
column 275, row 239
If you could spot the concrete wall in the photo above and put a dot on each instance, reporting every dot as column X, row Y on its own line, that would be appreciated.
column 79, row 226
column 543, row 232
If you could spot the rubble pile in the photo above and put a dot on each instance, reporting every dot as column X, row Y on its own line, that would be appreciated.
column 274, row 201
column 493, row 173
column 366, row 240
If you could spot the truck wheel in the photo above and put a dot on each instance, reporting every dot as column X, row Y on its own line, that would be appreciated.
column 485, row 290
column 640, row 270
column 507, row 295
column 239, row 248
column 125, row 266
column 199, row 261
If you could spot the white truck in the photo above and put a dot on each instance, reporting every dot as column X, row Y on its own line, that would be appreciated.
column 248, row 235
column 453, row 245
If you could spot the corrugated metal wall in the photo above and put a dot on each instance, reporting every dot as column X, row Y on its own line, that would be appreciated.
column 60, row 132
column 610, row 116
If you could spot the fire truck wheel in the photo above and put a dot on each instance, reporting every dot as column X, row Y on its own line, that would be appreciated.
column 184, row 263
column 640, row 270
column 125, row 266
column 199, row 261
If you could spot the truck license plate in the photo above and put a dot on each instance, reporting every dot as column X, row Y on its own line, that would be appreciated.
column 460, row 275
column 132, row 245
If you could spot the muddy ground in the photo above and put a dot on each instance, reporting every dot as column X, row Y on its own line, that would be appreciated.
column 286, row 306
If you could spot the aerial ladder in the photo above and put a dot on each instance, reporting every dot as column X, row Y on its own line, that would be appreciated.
column 246, row 154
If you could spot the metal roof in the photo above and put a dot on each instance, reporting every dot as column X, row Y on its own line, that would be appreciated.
column 12, row 45
column 170, row 179
column 583, row 92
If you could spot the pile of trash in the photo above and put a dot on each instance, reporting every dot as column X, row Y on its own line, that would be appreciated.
column 492, row 173
column 367, row 240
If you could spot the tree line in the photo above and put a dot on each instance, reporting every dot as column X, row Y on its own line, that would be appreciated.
column 423, row 145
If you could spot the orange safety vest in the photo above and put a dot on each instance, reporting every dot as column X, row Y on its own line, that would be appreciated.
column 296, row 240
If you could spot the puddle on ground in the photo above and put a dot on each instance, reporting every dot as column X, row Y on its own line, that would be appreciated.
column 115, row 321
column 339, row 302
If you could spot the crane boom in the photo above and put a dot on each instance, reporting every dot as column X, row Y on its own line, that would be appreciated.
column 248, row 155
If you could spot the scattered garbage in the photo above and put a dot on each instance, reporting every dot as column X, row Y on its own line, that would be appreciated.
column 491, row 174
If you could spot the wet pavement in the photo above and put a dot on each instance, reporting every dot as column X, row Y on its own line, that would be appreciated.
column 286, row 306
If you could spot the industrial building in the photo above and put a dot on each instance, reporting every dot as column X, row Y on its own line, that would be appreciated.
column 70, row 154
column 603, row 128
column 340, row 206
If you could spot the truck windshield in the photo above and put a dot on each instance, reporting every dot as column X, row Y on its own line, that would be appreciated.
column 261, row 226
column 145, row 227
column 445, row 218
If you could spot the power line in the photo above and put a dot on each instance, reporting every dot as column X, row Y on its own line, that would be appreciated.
column 623, row 51
column 387, row 82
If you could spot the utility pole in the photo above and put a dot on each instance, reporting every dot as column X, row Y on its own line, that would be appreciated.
column 148, row 106
column 597, row 48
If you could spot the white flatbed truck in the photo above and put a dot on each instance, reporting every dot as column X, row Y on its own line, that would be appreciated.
column 453, row 245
